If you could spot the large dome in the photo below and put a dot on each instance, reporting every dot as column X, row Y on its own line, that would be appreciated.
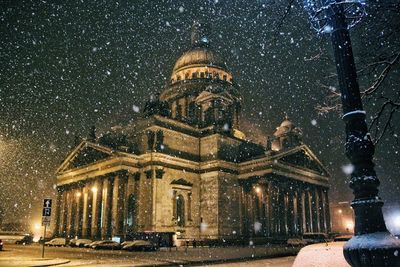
column 200, row 62
column 199, row 56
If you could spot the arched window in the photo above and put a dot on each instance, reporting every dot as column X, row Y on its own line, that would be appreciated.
column 131, row 210
column 180, row 210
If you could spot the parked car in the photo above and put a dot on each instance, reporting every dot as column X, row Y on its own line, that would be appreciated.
column 140, row 245
column 324, row 254
column 313, row 238
column 123, row 244
column 89, row 245
column 342, row 238
column 107, row 244
column 1, row 244
column 296, row 242
column 82, row 242
column 72, row 242
column 57, row 242
column 25, row 240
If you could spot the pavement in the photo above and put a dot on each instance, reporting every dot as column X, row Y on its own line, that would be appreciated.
column 19, row 255
column 29, row 261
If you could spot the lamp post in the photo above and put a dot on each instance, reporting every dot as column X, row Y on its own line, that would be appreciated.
column 372, row 244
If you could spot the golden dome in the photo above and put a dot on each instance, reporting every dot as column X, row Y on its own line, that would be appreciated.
column 200, row 62
column 199, row 56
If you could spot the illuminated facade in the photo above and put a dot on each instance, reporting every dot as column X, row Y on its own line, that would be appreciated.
column 186, row 167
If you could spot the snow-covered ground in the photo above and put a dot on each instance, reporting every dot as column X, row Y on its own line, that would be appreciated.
column 321, row 255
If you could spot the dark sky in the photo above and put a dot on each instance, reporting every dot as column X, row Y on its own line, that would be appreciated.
column 67, row 65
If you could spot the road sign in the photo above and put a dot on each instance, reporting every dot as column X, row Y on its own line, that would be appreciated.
column 46, row 212
column 47, row 203
column 46, row 220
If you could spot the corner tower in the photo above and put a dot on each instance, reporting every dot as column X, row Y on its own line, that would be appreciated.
column 201, row 91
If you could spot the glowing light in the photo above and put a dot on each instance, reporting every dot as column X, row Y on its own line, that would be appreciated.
column 340, row 211
column 78, row 194
column 258, row 189
column 349, row 225
column 94, row 189
column 37, row 231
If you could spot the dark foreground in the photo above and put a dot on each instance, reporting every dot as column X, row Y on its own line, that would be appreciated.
column 18, row 255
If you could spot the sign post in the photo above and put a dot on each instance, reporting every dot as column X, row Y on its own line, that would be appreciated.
column 46, row 217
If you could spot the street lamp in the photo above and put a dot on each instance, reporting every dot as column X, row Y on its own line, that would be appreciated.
column 372, row 244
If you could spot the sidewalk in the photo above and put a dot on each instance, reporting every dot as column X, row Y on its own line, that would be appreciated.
column 31, row 262
column 19, row 256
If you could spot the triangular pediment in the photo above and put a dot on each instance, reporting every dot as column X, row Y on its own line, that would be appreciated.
column 302, row 157
column 85, row 153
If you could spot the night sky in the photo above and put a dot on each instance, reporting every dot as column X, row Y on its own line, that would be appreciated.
column 68, row 65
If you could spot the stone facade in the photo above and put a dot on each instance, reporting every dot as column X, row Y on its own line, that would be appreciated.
column 185, row 167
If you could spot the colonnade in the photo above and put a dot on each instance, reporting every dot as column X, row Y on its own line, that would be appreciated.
column 94, row 208
column 274, row 209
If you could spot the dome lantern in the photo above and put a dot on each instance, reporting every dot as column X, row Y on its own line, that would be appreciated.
column 200, row 34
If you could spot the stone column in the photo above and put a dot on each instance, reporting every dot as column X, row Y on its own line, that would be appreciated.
column 286, row 213
column 316, row 210
column 265, row 210
column 61, row 220
column 273, row 224
column 70, row 202
column 106, row 199
column 65, row 213
column 85, row 213
column 96, row 208
column 78, row 215
column 129, row 188
column 266, row 201
column 302, row 210
column 327, row 212
column 321, row 211
column 114, row 209
column 57, row 213
column 308, row 207
column 292, row 213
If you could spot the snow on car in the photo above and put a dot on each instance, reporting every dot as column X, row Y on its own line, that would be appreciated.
column 142, row 245
column 107, row 244
column 57, row 242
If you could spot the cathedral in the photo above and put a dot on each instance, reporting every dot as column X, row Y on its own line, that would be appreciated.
column 185, row 167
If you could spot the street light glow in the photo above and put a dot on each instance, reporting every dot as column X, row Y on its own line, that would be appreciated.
column 94, row 189
column 78, row 194
column 258, row 189
column 37, row 226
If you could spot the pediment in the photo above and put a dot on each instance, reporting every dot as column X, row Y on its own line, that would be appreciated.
column 302, row 157
column 85, row 153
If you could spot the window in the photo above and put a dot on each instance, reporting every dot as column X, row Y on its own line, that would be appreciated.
column 180, row 210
